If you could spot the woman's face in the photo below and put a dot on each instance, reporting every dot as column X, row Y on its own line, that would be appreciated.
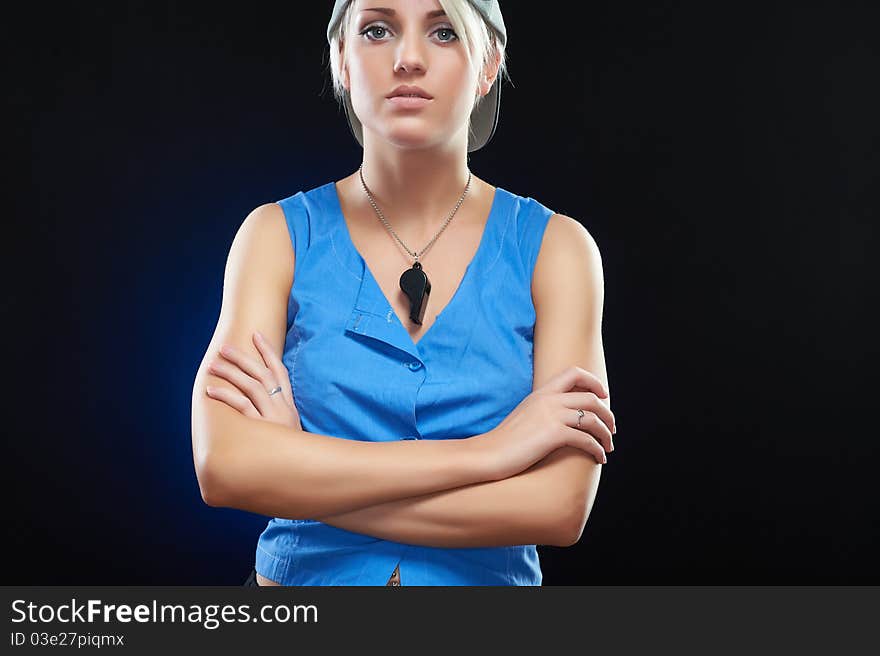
column 415, row 45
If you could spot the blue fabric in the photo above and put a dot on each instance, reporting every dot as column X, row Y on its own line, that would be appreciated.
column 357, row 374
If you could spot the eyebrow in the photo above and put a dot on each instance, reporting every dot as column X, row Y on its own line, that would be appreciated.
column 391, row 12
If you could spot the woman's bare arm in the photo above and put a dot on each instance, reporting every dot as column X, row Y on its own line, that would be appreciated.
column 276, row 471
column 533, row 507
column 265, row 468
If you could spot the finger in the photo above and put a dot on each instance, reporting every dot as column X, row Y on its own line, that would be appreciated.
column 589, row 401
column 252, row 389
column 275, row 365
column 576, row 376
column 256, row 370
column 235, row 400
column 585, row 442
column 589, row 423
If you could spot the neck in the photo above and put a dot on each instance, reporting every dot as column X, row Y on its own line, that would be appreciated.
column 415, row 188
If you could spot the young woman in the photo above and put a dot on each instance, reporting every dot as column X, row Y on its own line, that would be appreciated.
column 412, row 380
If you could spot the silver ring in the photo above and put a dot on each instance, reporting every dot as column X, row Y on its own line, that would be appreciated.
column 580, row 414
column 275, row 391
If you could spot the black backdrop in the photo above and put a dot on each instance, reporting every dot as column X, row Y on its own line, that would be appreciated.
column 723, row 157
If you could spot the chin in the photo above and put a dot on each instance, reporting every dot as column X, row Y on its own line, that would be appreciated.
column 411, row 140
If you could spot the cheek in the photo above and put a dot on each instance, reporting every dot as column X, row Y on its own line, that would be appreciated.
column 363, row 67
column 460, row 92
column 362, row 85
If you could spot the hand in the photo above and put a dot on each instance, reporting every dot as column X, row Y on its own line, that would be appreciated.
column 254, row 380
column 547, row 419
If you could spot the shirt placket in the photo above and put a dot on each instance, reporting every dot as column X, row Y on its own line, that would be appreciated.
column 373, row 317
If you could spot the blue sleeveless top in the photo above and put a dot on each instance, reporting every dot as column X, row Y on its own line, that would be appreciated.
column 466, row 373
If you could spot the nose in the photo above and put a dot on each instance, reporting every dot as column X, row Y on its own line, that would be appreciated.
column 409, row 56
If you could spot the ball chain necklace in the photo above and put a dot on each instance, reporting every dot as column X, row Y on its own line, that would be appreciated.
column 414, row 282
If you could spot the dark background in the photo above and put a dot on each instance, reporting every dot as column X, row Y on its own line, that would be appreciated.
column 725, row 159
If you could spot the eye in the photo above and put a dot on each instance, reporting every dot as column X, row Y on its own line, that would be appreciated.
column 453, row 37
column 370, row 29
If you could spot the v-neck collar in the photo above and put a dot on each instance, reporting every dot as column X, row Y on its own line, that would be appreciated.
column 373, row 315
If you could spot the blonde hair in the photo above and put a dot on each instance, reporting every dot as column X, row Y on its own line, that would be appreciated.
column 480, row 39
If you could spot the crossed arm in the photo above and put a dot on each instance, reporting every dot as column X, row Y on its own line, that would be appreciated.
column 548, row 503
column 537, row 506
column 545, row 504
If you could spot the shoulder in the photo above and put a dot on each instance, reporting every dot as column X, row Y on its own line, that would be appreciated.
column 567, row 235
column 262, row 242
column 265, row 218
column 264, row 227
column 568, row 257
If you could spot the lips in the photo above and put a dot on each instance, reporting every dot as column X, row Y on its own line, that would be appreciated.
column 410, row 91
column 409, row 102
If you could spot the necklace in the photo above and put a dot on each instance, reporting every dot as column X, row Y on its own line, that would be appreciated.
column 414, row 281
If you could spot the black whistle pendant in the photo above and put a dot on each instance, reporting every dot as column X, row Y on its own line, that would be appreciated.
column 415, row 284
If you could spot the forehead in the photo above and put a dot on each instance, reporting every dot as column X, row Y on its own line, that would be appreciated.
column 392, row 9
